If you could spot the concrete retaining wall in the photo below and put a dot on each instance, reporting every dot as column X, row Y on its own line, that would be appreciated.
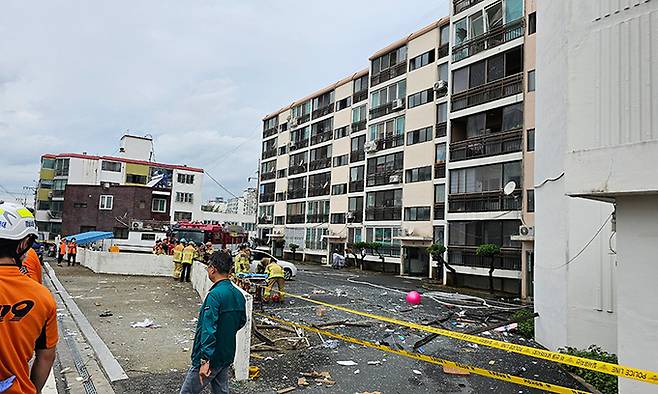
column 126, row 263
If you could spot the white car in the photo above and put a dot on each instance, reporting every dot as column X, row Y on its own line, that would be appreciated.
column 289, row 269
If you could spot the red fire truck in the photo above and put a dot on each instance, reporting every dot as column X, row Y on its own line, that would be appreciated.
column 230, row 235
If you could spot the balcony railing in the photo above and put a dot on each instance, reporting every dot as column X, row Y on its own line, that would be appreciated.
column 58, row 193
column 297, row 169
column 319, row 164
column 266, row 176
column 439, row 211
column 389, row 177
column 383, row 213
column 267, row 197
column 509, row 259
column 356, row 217
column 439, row 170
column 386, row 109
column 299, row 144
column 357, row 155
column 356, row 186
column 491, row 39
column 317, row 218
column 265, row 219
column 269, row 153
column 389, row 73
column 296, row 193
column 484, row 202
column 326, row 110
column 441, row 130
column 55, row 214
column 318, row 191
column 358, row 126
column 269, row 132
column 461, row 5
column 491, row 91
column 390, row 141
column 443, row 51
column 303, row 119
column 295, row 219
column 487, row 145
column 322, row 137
column 385, row 251
column 359, row 96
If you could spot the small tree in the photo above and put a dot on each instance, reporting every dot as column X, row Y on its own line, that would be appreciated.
column 436, row 251
column 491, row 251
column 293, row 248
column 375, row 247
column 361, row 247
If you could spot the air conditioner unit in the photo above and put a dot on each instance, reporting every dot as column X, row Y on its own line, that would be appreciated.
column 293, row 122
column 136, row 225
column 349, row 215
column 527, row 231
column 398, row 104
column 370, row 146
column 394, row 178
column 441, row 88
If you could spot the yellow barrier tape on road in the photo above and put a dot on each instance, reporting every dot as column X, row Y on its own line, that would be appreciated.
column 433, row 360
column 580, row 362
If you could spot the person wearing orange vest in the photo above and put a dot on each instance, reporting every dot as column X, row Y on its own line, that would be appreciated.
column 73, row 251
column 178, row 259
column 275, row 275
column 61, row 252
column 32, row 265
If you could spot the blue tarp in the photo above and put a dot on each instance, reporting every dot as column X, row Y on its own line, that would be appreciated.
column 90, row 236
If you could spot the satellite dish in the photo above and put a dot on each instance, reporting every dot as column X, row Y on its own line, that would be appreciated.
column 509, row 188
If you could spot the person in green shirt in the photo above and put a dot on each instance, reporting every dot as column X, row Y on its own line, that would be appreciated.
column 222, row 315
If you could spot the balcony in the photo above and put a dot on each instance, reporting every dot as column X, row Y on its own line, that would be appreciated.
column 491, row 91
column 509, row 259
column 461, row 5
column 302, row 119
column 441, row 130
column 267, row 197
column 58, row 194
column 356, row 186
column 322, row 137
column 358, row 126
column 320, row 112
column 269, row 132
column 62, row 172
column 269, row 153
column 386, row 109
column 55, row 214
column 491, row 39
column 319, row 164
column 439, row 211
column 443, row 51
column 389, row 73
column 266, row 176
column 383, row 213
column 357, row 155
column 265, row 219
column 359, row 96
column 356, row 217
column 295, row 219
column 390, row 141
column 488, row 145
column 299, row 144
column 317, row 218
column 314, row 191
column 440, row 170
column 484, row 202
column 389, row 177
column 297, row 169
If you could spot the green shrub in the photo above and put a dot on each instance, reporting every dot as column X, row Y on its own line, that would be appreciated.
column 526, row 328
column 607, row 384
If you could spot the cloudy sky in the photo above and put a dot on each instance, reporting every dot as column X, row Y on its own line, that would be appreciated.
column 196, row 75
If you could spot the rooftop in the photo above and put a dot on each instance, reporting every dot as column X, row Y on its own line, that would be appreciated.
column 121, row 159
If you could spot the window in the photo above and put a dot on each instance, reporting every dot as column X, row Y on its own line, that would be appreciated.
column 478, row 232
column 159, row 205
column 384, row 170
column 319, row 209
column 444, row 35
column 295, row 212
column 440, row 193
column 358, row 115
column 421, row 98
column 280, row 196
column 180, row 215
column 513, row 10
column 339, row 189
column 106, row 202
column 487, row 178
column 283, row 150
column 384, row 235
column 354, row 235
column 421, row 60
column 460, row 80
column 461, row 32
column 389, row 60
column 112, row 166
column 299, row 111
column 299, row 137
column 46, row 184
column 344, row 103
column 341, row 160
column 268, row 167
column 442, row 113
column 384, row 205
column 318, row 184
column 388, row 94
column 361, row 84
column 531, row 81
column 512, row 117
column 186, row 178
column 440, row 153
column 494, row 16
column 531, row 140
column 279, row 220
column 184, row 197
column 79, row 205
column 418, row 136
column 355, row 206
column 416, row 214
column 323, row 100
column 340, row 132
column 136, row 179
column 489, row 70
column 389, row 128
column 337, row 218
column 270, row 123
column 282, row 173
column 297, row 188
column 419, row 174
column 476, row 22
column 357, row 152
column 439, row 235
column 62, row 167
column 148, row 237
column 120, row 233
column 315, row 239
column 532, row 23
column 530, row 200
column 443, row 72
column 48, row 163
column 356, row 174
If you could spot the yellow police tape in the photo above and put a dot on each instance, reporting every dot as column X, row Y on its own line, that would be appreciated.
column 580, row 362
column 433, row 360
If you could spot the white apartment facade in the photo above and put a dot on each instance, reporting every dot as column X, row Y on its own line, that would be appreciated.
column 403, row 153
column 597, row 189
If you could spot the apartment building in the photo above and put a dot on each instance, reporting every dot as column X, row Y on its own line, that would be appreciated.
column 415, row 150
column 175, row 189
column 245, row 204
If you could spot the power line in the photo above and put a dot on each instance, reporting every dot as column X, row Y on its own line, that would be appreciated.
column 587, row 244
column 220, row 185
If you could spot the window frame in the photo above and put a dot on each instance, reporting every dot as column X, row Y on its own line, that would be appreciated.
column 163, row 204
column 106, row 202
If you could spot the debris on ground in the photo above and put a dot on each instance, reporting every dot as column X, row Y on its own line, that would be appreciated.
column 146, row 323
column 348, row 363
column 254, row 372
column 330, row 344
column 302, row 382
column 417, row 372
column 320, row 311
column 106, row 313
column 286, row 390
column 448, row 370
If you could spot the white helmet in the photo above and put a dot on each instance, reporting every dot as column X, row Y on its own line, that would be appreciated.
column 16, row 222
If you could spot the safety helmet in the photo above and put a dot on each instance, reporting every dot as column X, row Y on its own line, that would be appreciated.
column 183, row 240
column 191, row 243
column 16, row 222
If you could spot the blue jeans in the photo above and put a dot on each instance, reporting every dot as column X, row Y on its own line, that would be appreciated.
column 218, row 381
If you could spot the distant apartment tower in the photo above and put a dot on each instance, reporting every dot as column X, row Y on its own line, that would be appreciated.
column 175, row 190
column 243, row 205
column 414, row 150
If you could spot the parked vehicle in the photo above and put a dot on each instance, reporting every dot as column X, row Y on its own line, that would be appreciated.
column 231, row 236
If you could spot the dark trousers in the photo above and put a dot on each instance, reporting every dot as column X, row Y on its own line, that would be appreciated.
column 185, row 273
column 71, row 260
column 60, row 257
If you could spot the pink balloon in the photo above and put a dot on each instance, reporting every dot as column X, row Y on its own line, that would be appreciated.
column 413, row 297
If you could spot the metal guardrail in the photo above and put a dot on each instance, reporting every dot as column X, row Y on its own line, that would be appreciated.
column 491, row 91
column 487, row 145
column 484, row 202
column 488, row 40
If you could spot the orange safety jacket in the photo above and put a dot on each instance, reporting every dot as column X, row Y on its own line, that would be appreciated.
column 62, row 248
column 73, row 248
